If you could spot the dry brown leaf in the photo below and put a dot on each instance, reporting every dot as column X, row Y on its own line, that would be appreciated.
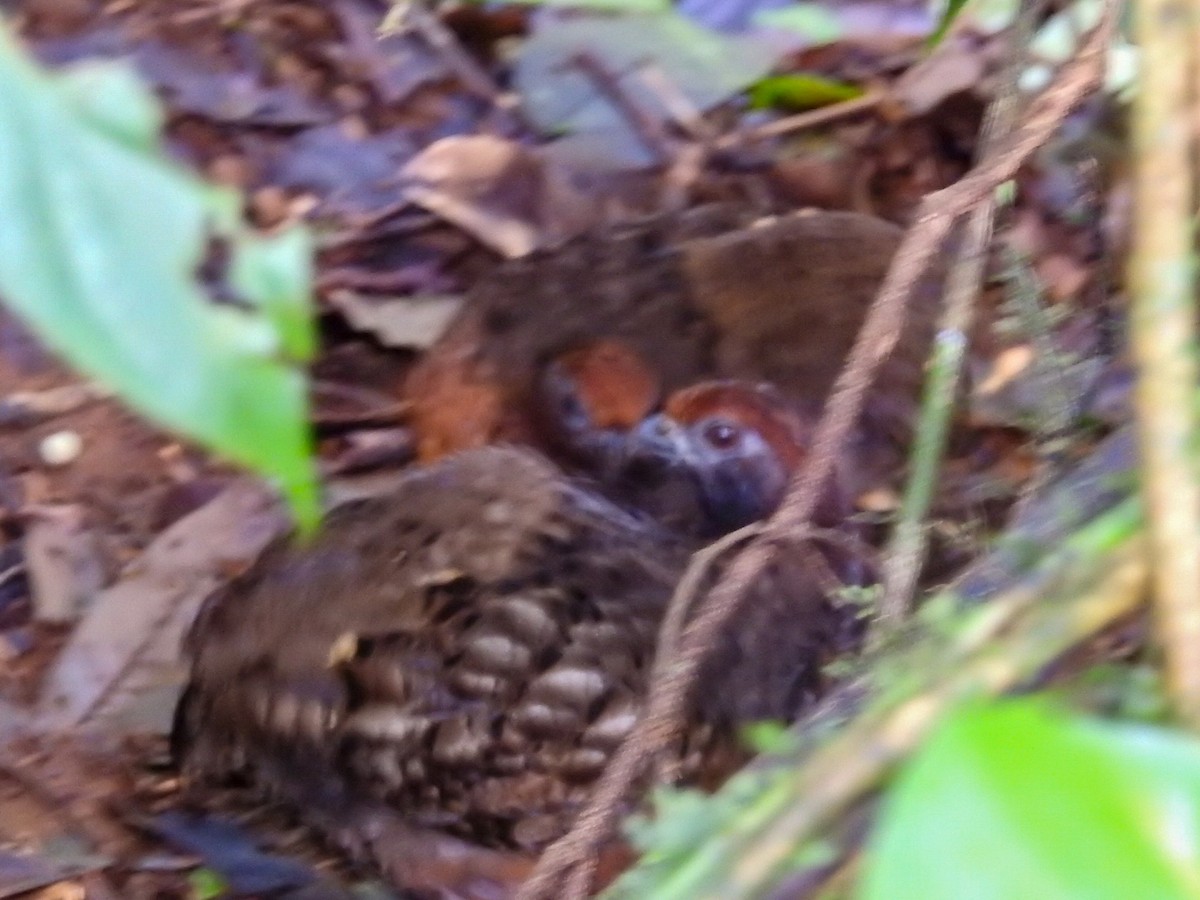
column 65, row 566
column 1062, row 275
column 1007, row 365
column 952, row 69
column 507, row 196
column 127, row 647
column 401, row 322
column 31, row 407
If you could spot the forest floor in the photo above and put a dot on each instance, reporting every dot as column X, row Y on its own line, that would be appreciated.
column 106, row 521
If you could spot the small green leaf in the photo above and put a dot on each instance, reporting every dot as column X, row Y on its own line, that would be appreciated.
column 768, row 736
column 100, row 242
column 206, row 884
column 1023, row 800
column 800, row 92
column 949, row 14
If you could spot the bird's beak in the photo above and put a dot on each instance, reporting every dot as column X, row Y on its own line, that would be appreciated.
column 659, row 442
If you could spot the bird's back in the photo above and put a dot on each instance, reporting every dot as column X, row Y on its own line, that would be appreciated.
column 470, row 649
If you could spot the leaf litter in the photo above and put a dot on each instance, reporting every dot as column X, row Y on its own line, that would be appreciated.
column 317, row 118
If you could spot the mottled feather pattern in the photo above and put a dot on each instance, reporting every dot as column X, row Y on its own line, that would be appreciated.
column 495, row 643
column 470, row 650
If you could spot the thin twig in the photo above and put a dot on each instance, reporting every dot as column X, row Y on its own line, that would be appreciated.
column 12, row 573
column 412, row 14
column 700, row 571
column 31, row 407
column 563, row 869
column 689, row 587
column 906, row 549
column 682, row 111
column 369, row 226
column 419, row 277
column 649, row 130
column 813, row 118
column 1162, row 327
column 747, row 857
column 375, row 408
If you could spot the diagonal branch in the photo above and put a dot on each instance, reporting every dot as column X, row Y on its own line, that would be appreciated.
column 565, row 869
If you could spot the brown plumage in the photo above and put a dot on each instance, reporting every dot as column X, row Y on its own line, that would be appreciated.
column 779, row 301
column 468, row 651
column 587, row 399
column 720, row 455
column 575, row 404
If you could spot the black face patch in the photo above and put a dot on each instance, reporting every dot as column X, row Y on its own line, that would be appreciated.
column 736, row 493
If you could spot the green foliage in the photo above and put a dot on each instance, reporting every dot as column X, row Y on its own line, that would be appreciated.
column 1021, row 800
column 768, row 736
column 800, row 92
column 206, row 884
column 1131, row 691
column 100, row 243
column 949, row 14
column 670, row 868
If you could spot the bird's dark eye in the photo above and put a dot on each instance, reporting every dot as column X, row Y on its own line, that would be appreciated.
column 722, row 435
column 571, row 410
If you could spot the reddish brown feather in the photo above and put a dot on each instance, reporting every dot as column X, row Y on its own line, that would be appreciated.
column 465, row 401
column 615, row 384
column 759, row 407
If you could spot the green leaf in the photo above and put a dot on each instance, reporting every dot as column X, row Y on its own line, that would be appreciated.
column 275, row 272
column 100, row 242
column 206, row 884
column 949, row 14
column 111, row 96
column 801, row 92
column 812, row 21
column 768, row 737
column 1023, row 800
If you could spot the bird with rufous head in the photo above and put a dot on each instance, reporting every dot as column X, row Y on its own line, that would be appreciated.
column 478, row 643
column 722, row 454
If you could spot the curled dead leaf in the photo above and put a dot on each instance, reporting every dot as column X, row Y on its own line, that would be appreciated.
column 509, row 197
column 401, row 322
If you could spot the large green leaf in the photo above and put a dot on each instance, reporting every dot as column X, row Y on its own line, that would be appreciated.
column 1021, row 800
column 100, row 241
